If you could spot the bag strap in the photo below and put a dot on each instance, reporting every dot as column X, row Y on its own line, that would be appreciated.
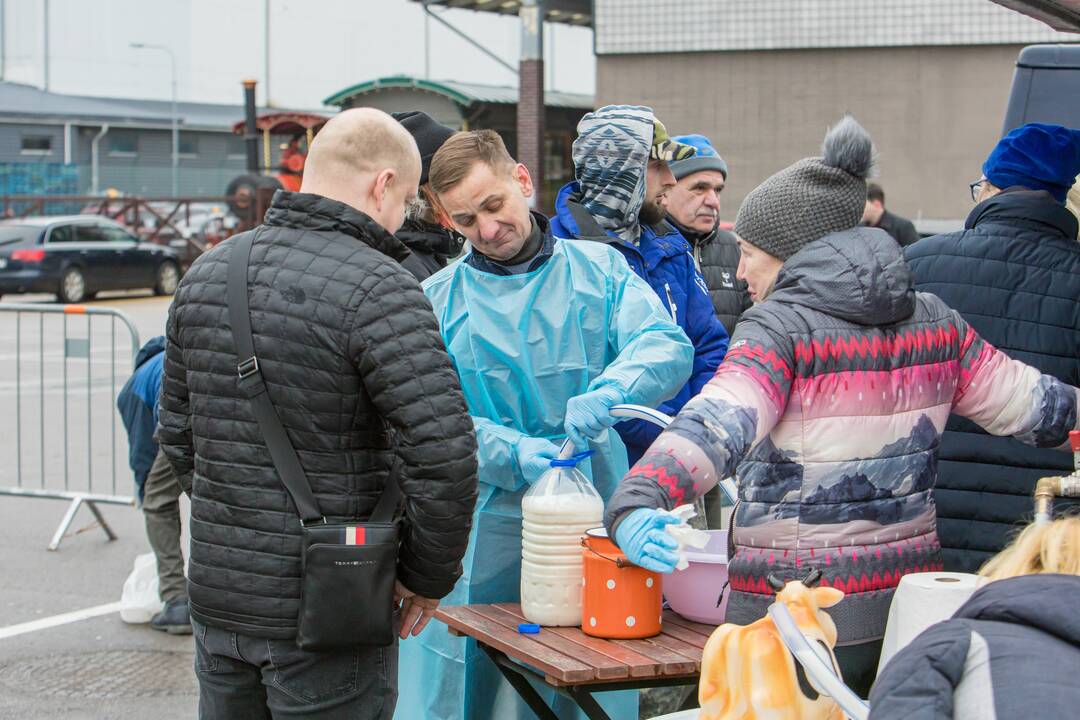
column 251, row 384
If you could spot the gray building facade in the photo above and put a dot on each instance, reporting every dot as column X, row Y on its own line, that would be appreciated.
column 47, row 145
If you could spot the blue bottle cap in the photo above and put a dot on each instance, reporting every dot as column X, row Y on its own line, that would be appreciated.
column 528, row 628
column 573, row 460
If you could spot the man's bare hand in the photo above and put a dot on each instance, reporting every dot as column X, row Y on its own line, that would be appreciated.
column 416, row 611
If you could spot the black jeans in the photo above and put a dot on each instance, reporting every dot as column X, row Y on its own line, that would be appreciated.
column 248, row 678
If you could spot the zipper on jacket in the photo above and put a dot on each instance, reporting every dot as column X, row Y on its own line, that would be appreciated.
column 671, row 303
column 731, row 530
column 697, row 256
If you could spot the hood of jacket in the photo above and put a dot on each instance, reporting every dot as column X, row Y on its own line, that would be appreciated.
column 1035, row 209
column 152, row 347
column 857, row 275
column 611, row 156
column 429, row 239
column 572, row 221
column 305, row 211
column 1045, row 602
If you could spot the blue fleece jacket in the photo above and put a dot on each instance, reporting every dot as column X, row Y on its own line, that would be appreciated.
column 138, row 406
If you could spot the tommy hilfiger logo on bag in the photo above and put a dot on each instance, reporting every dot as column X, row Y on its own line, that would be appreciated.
column 353, row 535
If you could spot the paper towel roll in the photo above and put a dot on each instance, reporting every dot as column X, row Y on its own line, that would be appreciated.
column 920, row 600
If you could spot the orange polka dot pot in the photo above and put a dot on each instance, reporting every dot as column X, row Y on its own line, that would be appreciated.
column 619, row 600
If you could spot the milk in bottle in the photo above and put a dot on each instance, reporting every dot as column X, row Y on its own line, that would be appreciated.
column 556, row 512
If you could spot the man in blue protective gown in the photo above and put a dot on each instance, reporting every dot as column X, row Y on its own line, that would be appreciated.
column 619, row 199
column 546, row 335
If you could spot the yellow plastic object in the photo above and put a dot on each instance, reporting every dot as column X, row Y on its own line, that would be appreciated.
column 748, row 674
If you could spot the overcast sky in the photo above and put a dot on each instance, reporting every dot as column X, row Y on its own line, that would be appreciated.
column 317, row 47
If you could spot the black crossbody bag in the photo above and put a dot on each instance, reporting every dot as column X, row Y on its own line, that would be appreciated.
column 348, row 569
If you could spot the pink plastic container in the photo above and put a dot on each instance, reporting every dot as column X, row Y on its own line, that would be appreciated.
column 694, row 592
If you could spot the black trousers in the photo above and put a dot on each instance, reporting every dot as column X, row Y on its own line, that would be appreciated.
column 858, row 665
column 248, row 678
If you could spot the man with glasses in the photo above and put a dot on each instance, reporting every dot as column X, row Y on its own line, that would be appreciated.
column 1014, row 274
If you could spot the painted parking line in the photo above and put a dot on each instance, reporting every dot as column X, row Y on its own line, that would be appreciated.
column 55, row 620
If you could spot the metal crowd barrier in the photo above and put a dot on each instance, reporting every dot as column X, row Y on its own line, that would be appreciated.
column 61, row 367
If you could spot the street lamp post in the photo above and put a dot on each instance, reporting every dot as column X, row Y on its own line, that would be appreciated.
column 175, row 117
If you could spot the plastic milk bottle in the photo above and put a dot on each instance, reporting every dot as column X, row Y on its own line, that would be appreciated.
column 556, row 512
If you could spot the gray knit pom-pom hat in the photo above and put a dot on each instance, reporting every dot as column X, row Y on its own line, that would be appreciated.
column 812, row 198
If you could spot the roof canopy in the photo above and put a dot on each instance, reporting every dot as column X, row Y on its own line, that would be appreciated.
column 570, row 12
column 464, row 94
column 285, row 123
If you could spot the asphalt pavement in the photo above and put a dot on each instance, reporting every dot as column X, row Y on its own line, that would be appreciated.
column 98, row 667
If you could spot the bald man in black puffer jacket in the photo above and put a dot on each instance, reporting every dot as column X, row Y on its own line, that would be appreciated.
column 357, row 371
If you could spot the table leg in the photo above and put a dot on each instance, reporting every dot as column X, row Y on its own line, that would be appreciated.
column 583, row 697
column 523, row 687
column 691, row 701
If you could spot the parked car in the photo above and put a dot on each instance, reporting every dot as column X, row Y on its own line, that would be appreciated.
column 77, row 256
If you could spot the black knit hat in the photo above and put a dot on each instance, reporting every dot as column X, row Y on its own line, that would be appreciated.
column 428, row 133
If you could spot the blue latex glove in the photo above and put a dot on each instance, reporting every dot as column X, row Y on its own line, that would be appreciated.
column 641, row 536
column 588, row 414
column 534, row 456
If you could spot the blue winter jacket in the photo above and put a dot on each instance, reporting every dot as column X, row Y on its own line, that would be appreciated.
column 664, row 259
column 138, row 406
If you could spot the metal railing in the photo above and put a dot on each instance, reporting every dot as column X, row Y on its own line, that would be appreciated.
column 190, row 225
column 59, row 437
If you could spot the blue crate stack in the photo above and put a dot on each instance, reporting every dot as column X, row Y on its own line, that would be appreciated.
column 26, row 178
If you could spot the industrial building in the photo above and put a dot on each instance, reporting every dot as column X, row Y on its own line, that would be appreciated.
column 52, row 143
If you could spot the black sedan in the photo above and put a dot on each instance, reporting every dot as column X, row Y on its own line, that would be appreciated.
column 77, row 256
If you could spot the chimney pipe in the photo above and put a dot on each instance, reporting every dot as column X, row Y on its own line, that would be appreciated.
column 251, row 133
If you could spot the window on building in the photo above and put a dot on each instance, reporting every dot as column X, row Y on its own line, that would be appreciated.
column 558, row 161
column 187, row 143
column 123, row 142
column 235, row 147
column 36, row 144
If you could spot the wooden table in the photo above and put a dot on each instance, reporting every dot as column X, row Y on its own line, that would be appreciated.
column 575, row 664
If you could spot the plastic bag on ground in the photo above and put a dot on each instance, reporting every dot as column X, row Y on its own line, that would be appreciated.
column 139, row 599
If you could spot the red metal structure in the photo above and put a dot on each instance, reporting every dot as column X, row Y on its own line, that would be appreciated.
column 301, row 127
